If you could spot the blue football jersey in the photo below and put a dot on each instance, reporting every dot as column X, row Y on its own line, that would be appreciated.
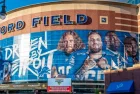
column 117, row 59
column 131, row 61
column 63, row 62
column 96, row 72
column 80, row 57
column 68, row 64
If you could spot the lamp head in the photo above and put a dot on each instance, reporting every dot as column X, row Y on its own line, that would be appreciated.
column 3, row 12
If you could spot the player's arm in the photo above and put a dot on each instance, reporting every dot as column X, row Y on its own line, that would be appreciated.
column 54, row 72
column 88, row 64
column 103, row 64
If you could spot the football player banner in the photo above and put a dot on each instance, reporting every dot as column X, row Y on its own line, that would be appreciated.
column 58, row 85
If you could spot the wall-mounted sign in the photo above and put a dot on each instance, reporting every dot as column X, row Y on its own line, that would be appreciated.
column 59, row 85
column 55, row 20
column 33, row 56
column 24, row 86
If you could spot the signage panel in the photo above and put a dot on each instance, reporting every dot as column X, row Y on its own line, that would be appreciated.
column 59, row 89
column 59, row 85
column 25, row 86
column 66, row 54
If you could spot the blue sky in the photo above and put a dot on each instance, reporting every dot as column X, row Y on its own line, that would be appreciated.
column 13, row 4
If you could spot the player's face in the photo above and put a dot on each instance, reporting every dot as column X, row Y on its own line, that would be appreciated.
column 131, row 48
column 69, row 43
column 112, row 42
column 95, row 43
column 134, row 48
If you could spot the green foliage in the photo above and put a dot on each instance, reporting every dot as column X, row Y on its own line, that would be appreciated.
column 96, row 91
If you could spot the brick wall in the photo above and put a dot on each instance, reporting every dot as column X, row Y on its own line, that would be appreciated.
column 132, row 73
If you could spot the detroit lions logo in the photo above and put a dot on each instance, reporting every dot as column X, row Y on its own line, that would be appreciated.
column 44, row 71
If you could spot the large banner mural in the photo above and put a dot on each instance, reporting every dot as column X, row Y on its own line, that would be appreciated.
column 76, row 54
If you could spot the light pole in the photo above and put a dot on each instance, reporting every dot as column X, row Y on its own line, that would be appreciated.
column 3, row 10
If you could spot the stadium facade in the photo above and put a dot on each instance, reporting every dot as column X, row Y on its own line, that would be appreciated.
column 67, row 39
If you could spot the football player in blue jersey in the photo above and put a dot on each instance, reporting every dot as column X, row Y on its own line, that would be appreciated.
column 64, row 58
column 96, row 61
column 131, row 50
column 7, row 71
column 112, row 47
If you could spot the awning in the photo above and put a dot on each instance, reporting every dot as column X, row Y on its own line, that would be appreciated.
column 121, row 87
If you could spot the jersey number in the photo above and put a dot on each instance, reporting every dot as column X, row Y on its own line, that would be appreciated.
column 63, row 68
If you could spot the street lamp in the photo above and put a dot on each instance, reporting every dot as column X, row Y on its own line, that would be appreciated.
column 3, row 10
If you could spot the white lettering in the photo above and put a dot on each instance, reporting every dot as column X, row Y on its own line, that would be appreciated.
column 35, row 64
column 15, row 48
column 8, row 53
